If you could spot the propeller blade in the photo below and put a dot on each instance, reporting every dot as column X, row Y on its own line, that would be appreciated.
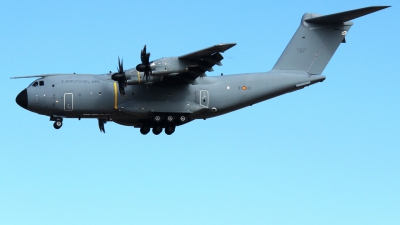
column 121, row 86
column 143, row 55
column 101, row 125
column 145, row 65
column 120, row 65
column 120, row 77
column 147, row 59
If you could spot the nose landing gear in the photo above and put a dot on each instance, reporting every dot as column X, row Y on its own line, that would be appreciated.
column 58, row 122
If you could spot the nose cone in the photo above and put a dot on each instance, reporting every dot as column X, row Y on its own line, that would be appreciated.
column 22, row 99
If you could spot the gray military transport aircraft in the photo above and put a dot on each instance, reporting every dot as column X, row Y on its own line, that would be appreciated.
column 173, row 91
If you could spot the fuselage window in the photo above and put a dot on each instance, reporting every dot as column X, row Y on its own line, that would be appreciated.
column 35, row 84
column 41, row 83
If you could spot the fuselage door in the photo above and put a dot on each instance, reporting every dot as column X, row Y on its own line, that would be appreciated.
column 68, row 102
column 204, row 98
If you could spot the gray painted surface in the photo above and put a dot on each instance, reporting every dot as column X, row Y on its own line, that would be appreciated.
column 178, row 91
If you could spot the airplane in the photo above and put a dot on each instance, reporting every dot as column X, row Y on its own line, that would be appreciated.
column 172, row 91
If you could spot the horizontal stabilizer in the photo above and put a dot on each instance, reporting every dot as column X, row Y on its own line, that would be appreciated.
column 345, row 16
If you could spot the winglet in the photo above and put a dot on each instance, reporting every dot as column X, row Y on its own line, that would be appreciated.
column 345, row 16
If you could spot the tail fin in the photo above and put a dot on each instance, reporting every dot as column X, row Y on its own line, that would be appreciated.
column 316, row 40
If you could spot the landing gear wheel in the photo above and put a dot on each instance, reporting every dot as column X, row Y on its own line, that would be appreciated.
column 170, row 119
column 57, row 124
column 157, row 118
column 157, row 130
column 169, row 130
column 182, row 119
column 145, row 130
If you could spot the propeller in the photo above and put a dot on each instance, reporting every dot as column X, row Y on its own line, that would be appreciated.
column 120, row 77
column 145, row 65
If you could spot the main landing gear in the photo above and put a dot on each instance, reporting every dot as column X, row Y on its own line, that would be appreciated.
column 160, row 122
column 145, row 130
column 157, row 130
column 169, row 130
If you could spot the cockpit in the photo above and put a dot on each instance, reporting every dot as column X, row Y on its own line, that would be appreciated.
column 37, row 83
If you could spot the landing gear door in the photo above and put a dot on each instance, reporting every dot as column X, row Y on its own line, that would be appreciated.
column 202, row 98
column 68, row 102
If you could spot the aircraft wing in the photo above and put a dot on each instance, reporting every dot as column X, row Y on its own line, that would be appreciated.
column 203, row 60
column 208, row 51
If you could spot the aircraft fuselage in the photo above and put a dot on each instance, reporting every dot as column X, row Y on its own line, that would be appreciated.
column 97, row 96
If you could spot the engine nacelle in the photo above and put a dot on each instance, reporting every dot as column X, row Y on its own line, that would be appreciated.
column 169, row 66
column 136, row 77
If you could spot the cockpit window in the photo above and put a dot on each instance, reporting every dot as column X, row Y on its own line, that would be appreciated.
column 37, row 83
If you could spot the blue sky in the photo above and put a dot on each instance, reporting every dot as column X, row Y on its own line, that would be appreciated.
column 328, row 154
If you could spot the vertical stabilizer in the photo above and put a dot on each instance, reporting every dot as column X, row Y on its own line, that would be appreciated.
column 316, row 40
